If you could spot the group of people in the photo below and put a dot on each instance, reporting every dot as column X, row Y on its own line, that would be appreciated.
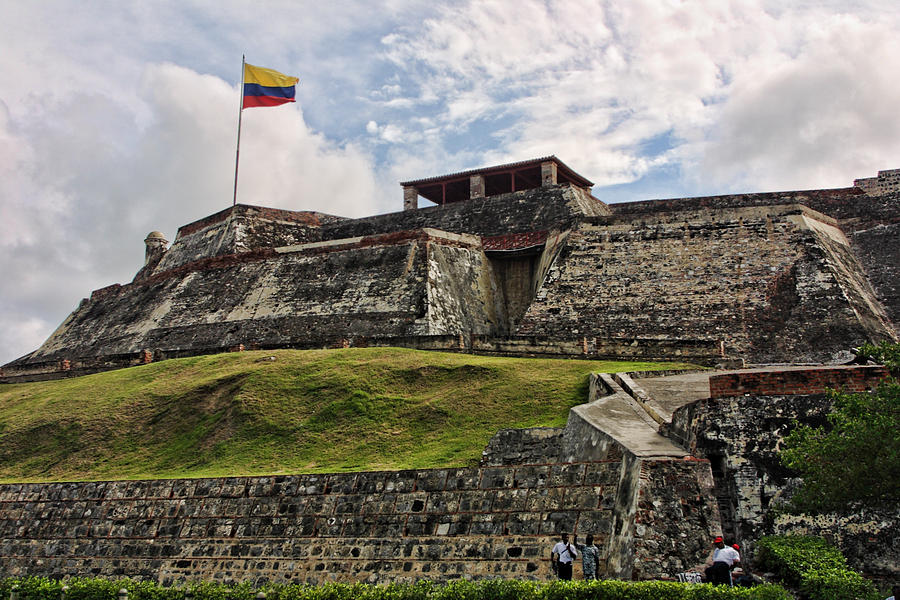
column 723, row 570
column 724, row 560
column 563, row 556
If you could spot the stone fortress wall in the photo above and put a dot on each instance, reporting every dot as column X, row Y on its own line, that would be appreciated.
column 767, row 282
column 651, row 493
column 442, row 524
column 787, row 276
column 739, row 429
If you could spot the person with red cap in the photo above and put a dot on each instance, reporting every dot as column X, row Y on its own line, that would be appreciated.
column 724, row 558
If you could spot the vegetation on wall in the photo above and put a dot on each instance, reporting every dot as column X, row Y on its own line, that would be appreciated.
column 855, row 460
column 885, row 353
column 37, row 588
column 285, row 411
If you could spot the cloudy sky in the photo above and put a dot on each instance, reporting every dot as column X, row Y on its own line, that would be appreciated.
column 120, row 117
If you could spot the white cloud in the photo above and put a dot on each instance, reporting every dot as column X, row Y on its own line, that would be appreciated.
column 86, row 187
column 733, row 94
column 819, row 118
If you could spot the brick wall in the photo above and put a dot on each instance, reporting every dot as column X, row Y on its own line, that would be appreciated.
column 797, row 381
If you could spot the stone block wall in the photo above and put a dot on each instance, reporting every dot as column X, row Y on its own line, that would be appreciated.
column 839, row 203
column 741, row 433
column 869, row 539
column 403, row 284
column 240, row 229
column 758, row 280
column 537, row 209
column 522, row 446
column 879, row 250
column 440, row 524
column 669, row 505
column 885, row 182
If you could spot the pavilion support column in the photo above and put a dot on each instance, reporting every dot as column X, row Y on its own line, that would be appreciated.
column 548, row 173
column 410, row 197
column 476, row 186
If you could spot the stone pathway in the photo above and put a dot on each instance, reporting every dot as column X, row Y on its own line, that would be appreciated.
column 636, row 407
column 621, row 417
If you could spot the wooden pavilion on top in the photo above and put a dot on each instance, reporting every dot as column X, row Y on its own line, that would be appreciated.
column 492, row 181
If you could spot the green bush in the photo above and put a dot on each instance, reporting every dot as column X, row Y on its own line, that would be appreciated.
column 39, row 588
column 886, row 353
column 860, row 449
column 813, row 566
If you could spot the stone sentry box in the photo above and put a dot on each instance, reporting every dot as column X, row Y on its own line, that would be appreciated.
column 440, row 524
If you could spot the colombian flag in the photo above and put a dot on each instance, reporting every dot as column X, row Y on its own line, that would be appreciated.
column 265, row 87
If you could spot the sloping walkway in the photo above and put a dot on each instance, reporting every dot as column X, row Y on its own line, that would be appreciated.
column 619, row 416
column 632, row 410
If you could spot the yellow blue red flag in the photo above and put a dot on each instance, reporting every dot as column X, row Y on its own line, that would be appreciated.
column 265, row 87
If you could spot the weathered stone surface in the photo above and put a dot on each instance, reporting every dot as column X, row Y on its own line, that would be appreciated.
column 790, row 276
column 441, row 524
column 522, row 446
column 764, row 282
column 419, row 284
column 740, row 434
column 539, row 209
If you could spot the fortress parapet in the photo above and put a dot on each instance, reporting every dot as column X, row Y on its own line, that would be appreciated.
column 885, row 183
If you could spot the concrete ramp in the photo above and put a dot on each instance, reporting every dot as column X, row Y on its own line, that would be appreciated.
column 611, row 424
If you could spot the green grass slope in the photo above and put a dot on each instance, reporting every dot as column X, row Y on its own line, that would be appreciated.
column 256, row 413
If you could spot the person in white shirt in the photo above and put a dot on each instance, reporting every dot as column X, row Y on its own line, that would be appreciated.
column 724, row 558
column 895, row 593
column 563, row 555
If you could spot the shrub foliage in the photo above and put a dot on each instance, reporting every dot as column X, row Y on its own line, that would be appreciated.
column 886, row 353
column 853, row 461
column 39, row 588
column 813, row 566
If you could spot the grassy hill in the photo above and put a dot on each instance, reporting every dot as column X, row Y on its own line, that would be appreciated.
column 255, row 413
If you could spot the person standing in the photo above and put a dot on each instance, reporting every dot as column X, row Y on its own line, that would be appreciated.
column 895, row 593
column 590, row 557
column 563, row 555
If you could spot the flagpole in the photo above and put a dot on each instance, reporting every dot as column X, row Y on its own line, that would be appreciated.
column 237, row 154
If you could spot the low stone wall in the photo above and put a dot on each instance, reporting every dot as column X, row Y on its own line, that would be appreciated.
column 869, row 539
column 837, row 202
column 440, row 524
column 696, row 351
